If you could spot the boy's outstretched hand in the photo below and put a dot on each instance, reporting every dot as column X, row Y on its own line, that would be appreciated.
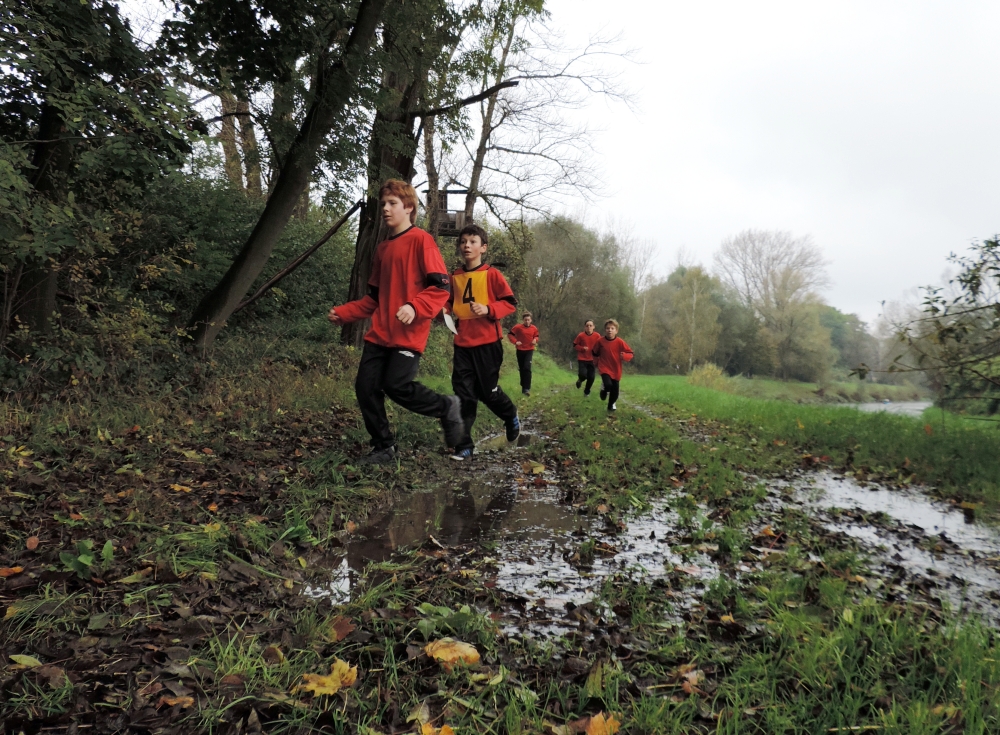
column 333, row 316
column 406, row 314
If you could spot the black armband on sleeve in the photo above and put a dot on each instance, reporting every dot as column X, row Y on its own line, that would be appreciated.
column 509, row 299
column 373, row 292
column 439, row 280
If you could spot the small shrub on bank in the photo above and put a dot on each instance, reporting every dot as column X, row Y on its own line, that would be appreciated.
column 709, row 376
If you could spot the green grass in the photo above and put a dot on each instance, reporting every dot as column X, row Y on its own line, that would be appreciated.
column 960, row 462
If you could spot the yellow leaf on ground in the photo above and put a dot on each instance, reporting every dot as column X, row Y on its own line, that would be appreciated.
column 180, row 488
column 429, row 729
column 727, row 619
column 601, row 725
column 10, row 571
column 449, row 652
column 184, row 702
column 25, row 660
column 341, row 675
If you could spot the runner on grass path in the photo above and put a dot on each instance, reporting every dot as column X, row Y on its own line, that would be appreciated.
column 525, row 337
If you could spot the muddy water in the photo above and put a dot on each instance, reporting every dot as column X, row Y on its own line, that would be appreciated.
column 913, row 540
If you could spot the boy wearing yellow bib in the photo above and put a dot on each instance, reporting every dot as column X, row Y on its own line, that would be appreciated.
column 480, row 298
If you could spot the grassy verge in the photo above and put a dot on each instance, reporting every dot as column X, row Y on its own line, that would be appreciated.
column 162, row 567
column 960, row 461
column 831, row 392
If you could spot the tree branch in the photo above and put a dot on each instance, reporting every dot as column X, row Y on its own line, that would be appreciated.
column 485, row 94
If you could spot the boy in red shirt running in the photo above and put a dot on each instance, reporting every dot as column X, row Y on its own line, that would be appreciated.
column 408, row 287
column 481, row 297
column 583, row 344
column 525, row 337
column 610, row 352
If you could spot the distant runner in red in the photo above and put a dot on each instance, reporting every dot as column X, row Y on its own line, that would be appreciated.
column 481, row 297
column 408, row 287
column 584, row 344
column 610, row 352
column 525, row 337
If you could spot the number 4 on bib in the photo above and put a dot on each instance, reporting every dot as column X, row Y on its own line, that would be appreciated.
column 470, row 288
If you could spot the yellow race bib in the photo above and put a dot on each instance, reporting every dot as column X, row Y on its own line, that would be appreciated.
column 469, row 288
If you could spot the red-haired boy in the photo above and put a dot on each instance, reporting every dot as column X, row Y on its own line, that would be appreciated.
column 525, row 337
column 407, row 288
column 610, row 353
column 584, row 345
column 481, row 297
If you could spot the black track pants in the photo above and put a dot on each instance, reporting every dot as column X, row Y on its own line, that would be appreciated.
column 585, row 371
column 388, row 371
column 474, row 378
column 611, row 386
column 524, row 367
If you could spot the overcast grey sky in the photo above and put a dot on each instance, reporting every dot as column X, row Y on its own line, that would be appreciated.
column 873, row 126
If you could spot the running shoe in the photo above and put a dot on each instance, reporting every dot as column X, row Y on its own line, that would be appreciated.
column 452, row 423
column 579, row 383
column 378, row 457
column 513, row 429
column 462, row 455
column 526, row 392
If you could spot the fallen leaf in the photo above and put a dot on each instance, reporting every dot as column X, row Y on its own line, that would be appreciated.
column 340, row 628
column 25, row 660
column 208, row 450
column 350, row 526
column 429, row 729
column 184, row 702
column 273, row 655
column 341, row 675
column 180, row 488
column 928, row 429
column 449, row 652
column 768, row 531
column 232, row 680
column 597, row 445
column 601, row 725
column 727, row 619
column 137, row 577
column 31, row 543
column 212, row 507
column 10, row 571
column 688, row 569
column 212, row 527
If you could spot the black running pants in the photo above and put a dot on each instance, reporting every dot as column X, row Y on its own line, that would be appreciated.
column 585, row 372
column 610, row 385
column 474, row 377
column 524, row 367
column 389, row 371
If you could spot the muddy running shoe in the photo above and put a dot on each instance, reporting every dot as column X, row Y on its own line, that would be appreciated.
column 612, row 408
column 513, row 429
column 378, row 456
column 526, row 392
column 462, row 455
column 604, row 394
column 579, row 383
column 452, row 423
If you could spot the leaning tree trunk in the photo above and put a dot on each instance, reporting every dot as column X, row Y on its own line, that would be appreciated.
column 335, row 85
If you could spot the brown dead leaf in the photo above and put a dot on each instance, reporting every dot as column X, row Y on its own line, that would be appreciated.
column 688, row 569
column 350, row 526
column 212, row 507
column 340, row 628
column 232, row 680
column 32, row 543
column 449, row 652
column 597, row 445
column 208, row 450
column 273, row 655
column 10, row 571
column 341, row 675
column 166, row 701
column 768, row 531
column 180, row 488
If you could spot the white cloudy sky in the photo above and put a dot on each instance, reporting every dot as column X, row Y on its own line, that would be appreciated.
column 874, row 126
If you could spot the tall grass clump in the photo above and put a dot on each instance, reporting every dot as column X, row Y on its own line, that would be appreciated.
column 709, row 375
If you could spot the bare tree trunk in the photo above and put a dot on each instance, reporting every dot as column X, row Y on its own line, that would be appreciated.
column 335, row 85
column 694, row 306
column 388, row 157
column 486, row 132
column 227, row 136
column 251, row 153
column 302, row 207
column 433, row 179
column 34, row 302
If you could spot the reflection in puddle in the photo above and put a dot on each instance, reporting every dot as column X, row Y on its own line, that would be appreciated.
column 905, row 408
column 934, row 542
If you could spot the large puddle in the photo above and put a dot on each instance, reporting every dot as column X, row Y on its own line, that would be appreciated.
column 916, row 542
column 906, row 408
column 550, row 558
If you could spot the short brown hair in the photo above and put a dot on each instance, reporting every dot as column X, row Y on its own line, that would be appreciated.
column 612, row 321
column 406, row 193
column 526, row 313
column 473, row 230
column 588, row 321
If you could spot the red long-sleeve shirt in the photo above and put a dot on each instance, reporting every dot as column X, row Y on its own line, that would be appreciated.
column 482, row 285
column 407, row 269
column 583, row 344
column 525, row 335
column 610, row 354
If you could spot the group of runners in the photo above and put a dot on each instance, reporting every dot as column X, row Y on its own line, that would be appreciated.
column 408, row 288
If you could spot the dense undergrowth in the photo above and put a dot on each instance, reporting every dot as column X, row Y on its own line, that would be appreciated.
column 164, row 547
